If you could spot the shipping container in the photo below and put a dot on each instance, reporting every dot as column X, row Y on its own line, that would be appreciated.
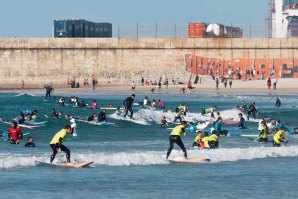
column 60, row 28
column 81, row 28
column 196, row 30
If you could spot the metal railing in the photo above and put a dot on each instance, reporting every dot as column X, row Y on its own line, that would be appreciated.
column 178, row 30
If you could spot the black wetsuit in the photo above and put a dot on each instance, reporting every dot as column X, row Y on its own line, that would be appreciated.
column 29, row 144
column 90, row 118
column 176, row 139
column 102, row 117
column 128, row 106
column 49, row 90
column 163, row 123
column 62, row 147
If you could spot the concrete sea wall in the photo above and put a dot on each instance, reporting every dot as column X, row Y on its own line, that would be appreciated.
column 55, row 60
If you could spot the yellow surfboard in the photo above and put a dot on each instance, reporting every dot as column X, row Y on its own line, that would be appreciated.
column 191, row 160
column 72, row 165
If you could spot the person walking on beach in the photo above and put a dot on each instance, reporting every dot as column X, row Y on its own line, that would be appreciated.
column 175, row 137
column 133, row 86
column 23, row 84
column 56, row 143
column 217, row 83
column 93, row 83
column 230, row 83
column 128, row 102
column 269, row 83
column 274, row 83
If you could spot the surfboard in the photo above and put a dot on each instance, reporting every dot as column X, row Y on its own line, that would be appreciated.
column 202, row 125
column 71, row 165
column 5, row 134
column 191, row 160
column 231, row 123
column 72, row 138
column 36, row 123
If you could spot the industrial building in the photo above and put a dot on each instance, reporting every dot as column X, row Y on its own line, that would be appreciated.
column 283, row 17
column 81, row 28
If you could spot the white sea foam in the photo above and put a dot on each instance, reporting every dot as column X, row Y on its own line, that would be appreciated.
column 21, row 94
column 152, row 157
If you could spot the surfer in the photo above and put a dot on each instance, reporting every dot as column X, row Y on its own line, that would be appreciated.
column 277, row 102
column 91, row 117
column 49, row 90
column 252, row 110
column 145, row 101
column 163, row 122
column 118, row 111
column 56, row 143
column 94, row 104
column 198, row 140
column 205, row 140
column 30, row 142
column 279, row 137
column 209, row 110
column 102, row 116
column 128, row 102
column 175, row 137
column 279, row 125
column 217, row 127
column 264, row 132
column 178, row 116
column 73, row 126
column 54, row 113
column 161, row 105
column 242, row 122
column 15, row 133
column 213, row 140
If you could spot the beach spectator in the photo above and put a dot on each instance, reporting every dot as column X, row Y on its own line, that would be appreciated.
column 217, row 82
column 274, row 83
column 269, row 83
column 109, row 81
column 22, row 84
column 142, row 81
column 159, row 86
column 133, row 86
column 230, row 83
column 93, row 83
column 166, row 83
column 225, row 82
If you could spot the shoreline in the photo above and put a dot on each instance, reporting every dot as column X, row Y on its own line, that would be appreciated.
column 173, row 89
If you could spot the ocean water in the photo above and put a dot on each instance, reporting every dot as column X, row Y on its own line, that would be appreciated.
column 129, row 157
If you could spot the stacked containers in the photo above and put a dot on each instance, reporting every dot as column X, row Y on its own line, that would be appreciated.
column 81, row 28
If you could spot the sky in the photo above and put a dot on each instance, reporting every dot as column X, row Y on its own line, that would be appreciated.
column 34, row 18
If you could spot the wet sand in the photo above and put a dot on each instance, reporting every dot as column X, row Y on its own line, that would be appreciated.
column 284, row 86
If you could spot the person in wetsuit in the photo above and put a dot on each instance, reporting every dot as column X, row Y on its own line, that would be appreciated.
column 49, row 90
column 163, row 122
column 30, row 142
column 279, row 137
column 128, row 102
column 56, row 143
column 242, row 122
column 15, row 134
column 175, row 137
column 263, row 136
column 91, row 117
column 102, row 116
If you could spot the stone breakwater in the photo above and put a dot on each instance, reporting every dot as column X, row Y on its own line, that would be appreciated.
column 121, row 61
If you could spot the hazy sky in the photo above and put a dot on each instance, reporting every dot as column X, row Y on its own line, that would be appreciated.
column 34, row 18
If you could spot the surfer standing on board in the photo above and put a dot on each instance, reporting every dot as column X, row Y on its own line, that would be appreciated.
column 128, row 102
column 175, row 138
column 56, row 143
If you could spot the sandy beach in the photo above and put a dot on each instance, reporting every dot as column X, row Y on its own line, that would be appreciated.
column 284, row 86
